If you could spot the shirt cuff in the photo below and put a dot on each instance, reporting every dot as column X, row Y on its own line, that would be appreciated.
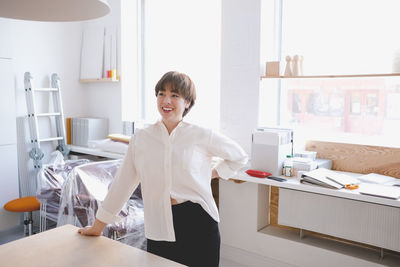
column 224, row 171
column 106, row 217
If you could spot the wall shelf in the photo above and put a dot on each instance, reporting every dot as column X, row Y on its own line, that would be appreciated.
column 332, row 76
column 96, row 80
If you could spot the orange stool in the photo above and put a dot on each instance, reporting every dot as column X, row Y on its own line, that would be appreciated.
column 24, row 204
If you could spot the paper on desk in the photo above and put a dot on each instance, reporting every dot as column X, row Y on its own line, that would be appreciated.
column 341, row 178
column 328, row 178
column 379, row 190
column 374, row 178
column 108, row 146
column 319, row 177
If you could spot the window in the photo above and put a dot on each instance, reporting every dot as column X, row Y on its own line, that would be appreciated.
column 184, row 35
column 341, row 36
column 334, row 37
column 131, row 60
column 159, row 36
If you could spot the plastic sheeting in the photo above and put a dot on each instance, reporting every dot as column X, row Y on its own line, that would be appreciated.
column 50, row 181
column 84, row 190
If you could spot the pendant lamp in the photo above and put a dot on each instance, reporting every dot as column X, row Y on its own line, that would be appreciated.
column 54, row 10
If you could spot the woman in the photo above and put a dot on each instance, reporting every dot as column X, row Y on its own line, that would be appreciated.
column 172, row 161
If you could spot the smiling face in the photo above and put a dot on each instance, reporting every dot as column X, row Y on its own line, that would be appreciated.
column 171, row 106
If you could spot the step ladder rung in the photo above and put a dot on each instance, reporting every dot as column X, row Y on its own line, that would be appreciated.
column 51, row 139
column 50, row 89
column 48, row 114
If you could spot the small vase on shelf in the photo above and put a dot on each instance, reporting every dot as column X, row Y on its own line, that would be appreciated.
column 295, row 65
column 288, row 69
column 396, row 62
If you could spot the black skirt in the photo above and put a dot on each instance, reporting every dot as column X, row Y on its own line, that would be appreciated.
column 197, row 238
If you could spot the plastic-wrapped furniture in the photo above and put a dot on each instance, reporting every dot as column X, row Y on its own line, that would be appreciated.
column 86, row 186
column 50, row 180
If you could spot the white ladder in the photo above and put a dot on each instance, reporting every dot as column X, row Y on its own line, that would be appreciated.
column 36, row 154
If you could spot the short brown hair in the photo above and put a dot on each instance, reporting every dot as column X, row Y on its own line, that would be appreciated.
column 181, row 84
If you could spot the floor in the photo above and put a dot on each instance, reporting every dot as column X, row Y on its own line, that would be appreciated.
column 14, row 234
column 17, row 233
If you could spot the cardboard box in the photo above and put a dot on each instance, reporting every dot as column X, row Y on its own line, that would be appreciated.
column 272, row 69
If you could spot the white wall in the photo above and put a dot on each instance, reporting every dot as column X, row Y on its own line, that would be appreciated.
column 8, row 144
column 240, row 57
column 104, row 99
column 44, row 48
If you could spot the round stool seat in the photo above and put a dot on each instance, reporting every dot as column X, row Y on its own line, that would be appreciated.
column 23, row 204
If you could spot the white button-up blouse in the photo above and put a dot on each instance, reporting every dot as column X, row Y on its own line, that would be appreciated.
column 176, row 165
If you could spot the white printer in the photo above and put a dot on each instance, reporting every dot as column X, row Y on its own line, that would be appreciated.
column 269, row 148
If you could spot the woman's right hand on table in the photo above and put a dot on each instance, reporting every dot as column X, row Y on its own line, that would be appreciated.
column 95, row 230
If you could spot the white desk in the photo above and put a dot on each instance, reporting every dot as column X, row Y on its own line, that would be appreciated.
column 63, row 246
column 294, row 183
column 341, row 213
column 95, row 152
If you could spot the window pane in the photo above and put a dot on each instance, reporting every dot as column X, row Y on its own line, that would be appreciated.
column 341, row 36
column 372, row 107
column 184, row 35
column 355, row 110
column 130, row 60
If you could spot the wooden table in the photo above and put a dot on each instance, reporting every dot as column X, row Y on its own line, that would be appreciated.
column 63, row 246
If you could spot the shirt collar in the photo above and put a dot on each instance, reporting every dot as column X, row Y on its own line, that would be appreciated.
column 165, row 130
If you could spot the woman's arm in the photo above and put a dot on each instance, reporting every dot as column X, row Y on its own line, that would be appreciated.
column 124, row 184
column 233, row 156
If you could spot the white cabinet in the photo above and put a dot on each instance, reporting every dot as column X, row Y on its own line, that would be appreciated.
column 364, row 222
column 8, row 145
